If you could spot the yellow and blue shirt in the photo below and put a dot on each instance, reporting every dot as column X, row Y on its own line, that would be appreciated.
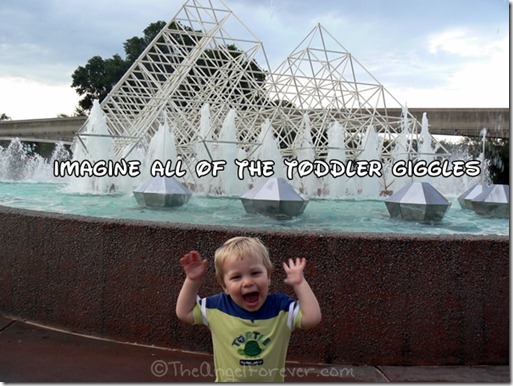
column 249, row 346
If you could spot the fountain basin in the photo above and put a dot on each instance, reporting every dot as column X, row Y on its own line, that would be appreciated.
column 368, row 216
column 387, row 299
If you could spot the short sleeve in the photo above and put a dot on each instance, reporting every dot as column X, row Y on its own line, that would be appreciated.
column 295, row 316
column 298, row 320
column 198, row 318
column 199, row 311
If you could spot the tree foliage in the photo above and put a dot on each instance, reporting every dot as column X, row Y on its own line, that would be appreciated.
column 97, row 78
column 136, row 45
column 496, row 155
column 496, row 152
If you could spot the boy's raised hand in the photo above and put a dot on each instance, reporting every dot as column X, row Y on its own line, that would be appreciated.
column 195, row 268
column 307, row 300
column 294, row 271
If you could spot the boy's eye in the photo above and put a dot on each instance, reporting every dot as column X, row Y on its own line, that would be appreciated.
column 236, row 277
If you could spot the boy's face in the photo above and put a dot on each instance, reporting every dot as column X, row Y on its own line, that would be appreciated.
column 246, row 281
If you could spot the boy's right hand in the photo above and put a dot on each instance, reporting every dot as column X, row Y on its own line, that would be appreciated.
column 195, row 268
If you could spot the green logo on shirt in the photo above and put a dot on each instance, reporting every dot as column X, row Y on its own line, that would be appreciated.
column 251, row 344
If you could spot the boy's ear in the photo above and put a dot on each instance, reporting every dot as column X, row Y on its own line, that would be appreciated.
column 224, row 288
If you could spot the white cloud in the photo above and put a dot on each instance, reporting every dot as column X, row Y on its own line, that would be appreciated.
column 424, row 55
column 479, row 74
column 463, row 42
column 485, row 80
column 27, row 99
column 456, row 67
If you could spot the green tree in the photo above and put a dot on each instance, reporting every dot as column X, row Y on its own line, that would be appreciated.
column 136, row 45
column 97, row 78
column 496, row 154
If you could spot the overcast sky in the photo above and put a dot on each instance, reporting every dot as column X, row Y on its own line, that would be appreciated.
column 427, row 53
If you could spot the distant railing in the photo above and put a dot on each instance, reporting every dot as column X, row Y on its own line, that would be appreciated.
column 42, row 130
column 466, row 122
column 442, row 121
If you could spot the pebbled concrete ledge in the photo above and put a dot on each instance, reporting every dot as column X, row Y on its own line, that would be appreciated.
column 387, row 299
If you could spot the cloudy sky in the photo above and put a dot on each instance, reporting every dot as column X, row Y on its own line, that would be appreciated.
column 427, row 53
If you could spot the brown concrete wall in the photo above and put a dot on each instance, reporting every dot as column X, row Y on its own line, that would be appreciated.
column 386, row 299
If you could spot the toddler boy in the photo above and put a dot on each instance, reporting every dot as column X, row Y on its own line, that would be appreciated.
column 250, row 327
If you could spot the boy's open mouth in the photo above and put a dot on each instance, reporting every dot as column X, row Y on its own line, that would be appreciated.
column 251, row 297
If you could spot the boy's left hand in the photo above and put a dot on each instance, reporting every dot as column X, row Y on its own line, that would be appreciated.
column 294, row 271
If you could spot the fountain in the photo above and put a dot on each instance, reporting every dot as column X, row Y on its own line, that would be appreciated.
column 93, row 144
column 269, row 150
column 162, row 150
column 161, row 190
column 465, row 199
column 203, row 151
column 234, row 180
column 226, row 149
column 327, row 212
column 368, row 187
column 491, row 201
column 20, row 164
column 337, row 150
column 305, row 152
column 14, row 161
column 426, row 145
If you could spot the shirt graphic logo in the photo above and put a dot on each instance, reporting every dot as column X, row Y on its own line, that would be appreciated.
column 251, row 344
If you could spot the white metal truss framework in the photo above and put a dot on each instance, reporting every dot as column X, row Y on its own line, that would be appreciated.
column 195, row 60
column 322, row 80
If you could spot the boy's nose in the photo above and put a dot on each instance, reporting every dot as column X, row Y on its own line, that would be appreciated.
column 248, row 282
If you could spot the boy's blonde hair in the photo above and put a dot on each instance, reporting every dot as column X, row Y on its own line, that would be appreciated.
column 239, row 248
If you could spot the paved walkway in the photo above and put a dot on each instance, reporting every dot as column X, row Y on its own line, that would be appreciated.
column 30, row 353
